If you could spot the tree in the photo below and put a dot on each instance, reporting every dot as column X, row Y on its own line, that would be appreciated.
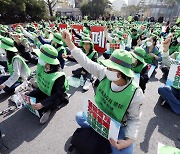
column 18, row 10
column 96, row 8
column 51, row 4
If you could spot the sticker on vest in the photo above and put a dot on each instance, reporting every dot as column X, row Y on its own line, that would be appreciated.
column 100, row 121
column 173, row 78
column 27, row 103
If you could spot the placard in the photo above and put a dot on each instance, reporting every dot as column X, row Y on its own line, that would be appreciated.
column 173, row 78
column 62, row 27
column 27, row 103
column 101, row 122
column 98, row 38
column 78, row 29
column 151, row 69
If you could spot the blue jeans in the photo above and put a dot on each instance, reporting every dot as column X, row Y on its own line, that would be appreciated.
column 9, row 89
column 82, row 121
column 171, row 96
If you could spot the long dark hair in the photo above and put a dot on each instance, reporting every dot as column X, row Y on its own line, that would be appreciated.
column 10, row 55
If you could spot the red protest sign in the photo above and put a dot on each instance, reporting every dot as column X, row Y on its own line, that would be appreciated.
column 78, row 29
column 62, row 26
column 98, row 38
column 114, row 46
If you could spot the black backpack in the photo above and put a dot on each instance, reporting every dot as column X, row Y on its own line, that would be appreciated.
column 88, row 141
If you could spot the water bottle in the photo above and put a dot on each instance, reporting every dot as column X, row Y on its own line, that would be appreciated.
column 81, row 81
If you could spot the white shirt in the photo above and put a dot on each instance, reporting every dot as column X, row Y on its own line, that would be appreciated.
column 133, row 112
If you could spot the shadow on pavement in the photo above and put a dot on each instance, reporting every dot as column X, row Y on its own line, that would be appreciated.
column 167, row 124
column 21, row 127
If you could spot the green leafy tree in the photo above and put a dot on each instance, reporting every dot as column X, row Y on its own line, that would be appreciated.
column 20, row 10
column 96, row 8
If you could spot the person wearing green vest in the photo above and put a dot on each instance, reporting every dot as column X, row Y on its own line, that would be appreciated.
column 88, row 49
column 153, row 56
column 57, row 43
column 171, row 95
column 174, row 55
column 17, row 67
column 116, row 94
column 139, row 66
column 130, row 18
column 134, row 36
column 52, row 84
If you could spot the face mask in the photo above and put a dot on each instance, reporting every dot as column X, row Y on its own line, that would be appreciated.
column 111, row 75
column 149, row 44
column 178, row 39
column 41, row 62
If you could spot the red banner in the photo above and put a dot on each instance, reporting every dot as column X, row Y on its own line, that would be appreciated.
column 98, row 38
column 62, row 26
column 78, row 29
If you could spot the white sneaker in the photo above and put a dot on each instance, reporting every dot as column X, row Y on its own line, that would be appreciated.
column 45, row 117
column 87, row 85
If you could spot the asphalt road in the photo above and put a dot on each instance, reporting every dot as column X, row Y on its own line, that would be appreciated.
column 22, row 133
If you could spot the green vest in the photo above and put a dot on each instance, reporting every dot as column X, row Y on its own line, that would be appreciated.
column 139, row 68
column 114, row 104
column 46, row 81
column 148, row 59
column 90, row 56
column 10, row 65
column 173, row 49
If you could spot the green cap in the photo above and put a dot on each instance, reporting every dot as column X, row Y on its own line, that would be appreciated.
column 139, row 54
column 57, row 38
column 120, row 60
column 8, row 44
column 48, row 54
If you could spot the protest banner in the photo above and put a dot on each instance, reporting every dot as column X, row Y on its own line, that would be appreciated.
column 78, row 29
column 62, row 26
column 173, row 78
column 98, row 38
column 28, row 101
column 100, row 121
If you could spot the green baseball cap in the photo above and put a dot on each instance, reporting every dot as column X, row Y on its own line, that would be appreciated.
column 120, row 60
column 8, row 44
column 139, row 54
column 48, row 54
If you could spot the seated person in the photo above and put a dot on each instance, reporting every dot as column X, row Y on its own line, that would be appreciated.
column 139, row 66
column 116, row 84
column 52, row 84
column 153, row 56
column 171, row 95
column 88, row 49
column 17, row 67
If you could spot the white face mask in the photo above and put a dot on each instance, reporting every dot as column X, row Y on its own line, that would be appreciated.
column 149, row 44
column 41, row 62
column 178, row 39
column 111, row 75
